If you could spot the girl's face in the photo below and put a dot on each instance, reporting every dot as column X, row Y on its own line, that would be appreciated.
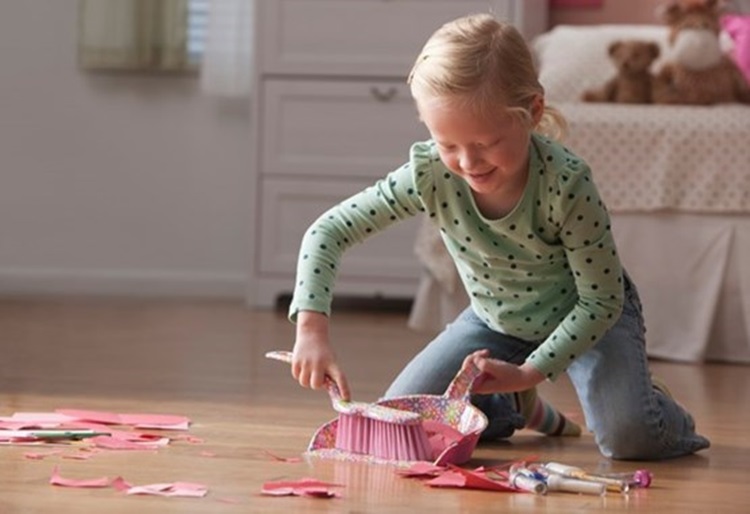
column 488, row 152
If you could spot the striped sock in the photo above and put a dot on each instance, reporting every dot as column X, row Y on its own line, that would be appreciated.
column 543, row 417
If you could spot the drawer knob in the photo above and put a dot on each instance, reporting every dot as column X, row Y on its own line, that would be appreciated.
column 383, row 96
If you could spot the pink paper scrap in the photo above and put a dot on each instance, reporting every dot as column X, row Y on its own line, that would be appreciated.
column 182, row 489
column 119, row 484
column 106, row 418
column 421, row 469
column 38, row 419
column 21, row 425
column 114, row 443
column 464, row 478
column 304, row 487
column 155, row 421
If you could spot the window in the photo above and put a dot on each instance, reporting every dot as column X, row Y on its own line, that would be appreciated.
column 198, row 11
column 142, row 35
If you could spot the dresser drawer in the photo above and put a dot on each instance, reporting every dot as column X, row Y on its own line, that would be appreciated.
column 337, row 128
column 355, row 37
column 289, row 207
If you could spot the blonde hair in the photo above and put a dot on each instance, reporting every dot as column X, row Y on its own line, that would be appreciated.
column 481, row 64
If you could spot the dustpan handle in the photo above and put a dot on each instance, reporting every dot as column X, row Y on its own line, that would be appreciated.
column 460, row 386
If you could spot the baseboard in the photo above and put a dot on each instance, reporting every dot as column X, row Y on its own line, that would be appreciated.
column 117, row 282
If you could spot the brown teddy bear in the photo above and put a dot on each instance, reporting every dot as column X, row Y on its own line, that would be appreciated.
column 633, row 82
column 697, row 70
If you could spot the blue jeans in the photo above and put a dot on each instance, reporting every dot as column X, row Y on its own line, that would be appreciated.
column 628, row 417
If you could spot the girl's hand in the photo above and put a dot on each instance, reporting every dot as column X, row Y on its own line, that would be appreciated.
column 500, row 376
column 312, row 358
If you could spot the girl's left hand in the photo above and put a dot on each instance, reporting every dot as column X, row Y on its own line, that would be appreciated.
column 500, row 376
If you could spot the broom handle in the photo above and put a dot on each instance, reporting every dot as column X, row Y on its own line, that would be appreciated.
column 460, row 386
column 368, row 410
column 283, row 356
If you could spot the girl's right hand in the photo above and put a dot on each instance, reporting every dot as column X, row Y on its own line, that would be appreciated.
column 312, row 358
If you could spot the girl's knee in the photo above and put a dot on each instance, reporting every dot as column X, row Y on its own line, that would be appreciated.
column 630, row 441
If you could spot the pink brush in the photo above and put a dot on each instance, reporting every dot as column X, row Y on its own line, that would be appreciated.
column 382, row 432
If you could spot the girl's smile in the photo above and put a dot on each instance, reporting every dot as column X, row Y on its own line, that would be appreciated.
column 489, row 152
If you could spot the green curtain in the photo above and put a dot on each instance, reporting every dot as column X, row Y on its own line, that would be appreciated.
column 138, row 35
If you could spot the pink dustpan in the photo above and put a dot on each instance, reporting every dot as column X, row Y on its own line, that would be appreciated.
column 453, row 423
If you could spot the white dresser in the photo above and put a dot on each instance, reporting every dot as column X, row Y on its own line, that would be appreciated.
column 333, row 114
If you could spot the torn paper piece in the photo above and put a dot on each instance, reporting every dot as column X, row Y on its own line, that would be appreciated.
column 56, row 479
column 135, row 437
column 303, row 487
column 159, row 423
column 154, row 421
column 106, row 418
column 119, row 484
column 21, row 425
column 41, row 419
column 421, row 469
column 441, row 436
column 114, row 443
column 463, row 478
column 182, row 489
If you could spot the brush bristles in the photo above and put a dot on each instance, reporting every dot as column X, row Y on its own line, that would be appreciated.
column 384, row 440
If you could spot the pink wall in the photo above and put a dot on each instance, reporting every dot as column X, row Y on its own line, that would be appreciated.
column 611, row 11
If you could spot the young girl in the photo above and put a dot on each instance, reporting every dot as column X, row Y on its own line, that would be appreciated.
column 531, row 239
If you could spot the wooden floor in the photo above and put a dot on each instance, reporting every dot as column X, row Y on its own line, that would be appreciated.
column 205, row 360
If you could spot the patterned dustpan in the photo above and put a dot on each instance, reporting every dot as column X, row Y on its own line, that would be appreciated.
column 452, row 411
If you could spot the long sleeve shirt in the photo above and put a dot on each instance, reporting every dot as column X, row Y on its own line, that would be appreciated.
column 548, row 272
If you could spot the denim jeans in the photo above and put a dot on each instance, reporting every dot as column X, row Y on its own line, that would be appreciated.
column 629, row 418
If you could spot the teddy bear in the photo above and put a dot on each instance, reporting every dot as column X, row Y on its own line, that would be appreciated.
column 633, row 82
column 697, row 71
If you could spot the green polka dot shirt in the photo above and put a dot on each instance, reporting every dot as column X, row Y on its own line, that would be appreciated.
column 548, row 272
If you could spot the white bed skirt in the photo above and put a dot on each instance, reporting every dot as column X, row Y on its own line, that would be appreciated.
column 693, row 275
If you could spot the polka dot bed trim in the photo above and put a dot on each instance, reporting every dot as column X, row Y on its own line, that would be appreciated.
column 647, row 158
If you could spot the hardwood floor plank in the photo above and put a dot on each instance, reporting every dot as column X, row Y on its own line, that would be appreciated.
column 205, row 360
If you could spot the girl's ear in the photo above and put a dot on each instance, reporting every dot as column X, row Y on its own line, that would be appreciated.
column 537, row 109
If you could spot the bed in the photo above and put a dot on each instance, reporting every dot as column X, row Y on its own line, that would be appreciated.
column 676, row 180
